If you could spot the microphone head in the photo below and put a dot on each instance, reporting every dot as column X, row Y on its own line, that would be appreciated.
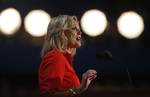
column 104, row 55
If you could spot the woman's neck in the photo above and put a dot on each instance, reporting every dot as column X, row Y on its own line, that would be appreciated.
column 69, row 50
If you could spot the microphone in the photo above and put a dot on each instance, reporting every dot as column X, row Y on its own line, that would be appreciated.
column 107, row 55
column 104, row 55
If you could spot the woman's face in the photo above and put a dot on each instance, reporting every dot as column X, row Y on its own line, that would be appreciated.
column 75, row 41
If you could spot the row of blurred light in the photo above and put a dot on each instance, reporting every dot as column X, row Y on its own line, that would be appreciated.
column 93, row 23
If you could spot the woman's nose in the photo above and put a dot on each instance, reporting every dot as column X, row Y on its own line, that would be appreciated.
column 79, row 36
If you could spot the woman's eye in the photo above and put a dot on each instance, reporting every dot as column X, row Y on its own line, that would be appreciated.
column 74, row 29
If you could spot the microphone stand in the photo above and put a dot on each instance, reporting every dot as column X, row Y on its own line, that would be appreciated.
column 130, row 80
column 108, row 56
column 129, row 77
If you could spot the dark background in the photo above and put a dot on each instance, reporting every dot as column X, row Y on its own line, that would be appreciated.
column 129, row 68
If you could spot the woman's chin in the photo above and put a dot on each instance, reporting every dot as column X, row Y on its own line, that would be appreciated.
column 75, row 45
column 78, row 45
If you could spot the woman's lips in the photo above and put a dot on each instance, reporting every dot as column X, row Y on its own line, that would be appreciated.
column 78, row 38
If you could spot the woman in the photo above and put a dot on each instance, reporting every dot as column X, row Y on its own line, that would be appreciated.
column 56, row 73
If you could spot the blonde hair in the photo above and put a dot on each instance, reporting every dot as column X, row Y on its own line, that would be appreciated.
column 58, row 34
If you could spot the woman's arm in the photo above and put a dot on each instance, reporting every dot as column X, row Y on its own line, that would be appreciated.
column 87, row 77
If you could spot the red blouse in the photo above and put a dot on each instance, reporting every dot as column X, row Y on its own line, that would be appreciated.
column 56, row 72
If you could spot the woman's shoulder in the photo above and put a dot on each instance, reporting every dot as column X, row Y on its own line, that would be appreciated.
column 53, row 53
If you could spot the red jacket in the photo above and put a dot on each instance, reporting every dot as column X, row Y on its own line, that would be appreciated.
column 56, row 72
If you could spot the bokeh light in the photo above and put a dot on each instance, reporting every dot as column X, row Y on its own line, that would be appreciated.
column 10, row 21
column 93, row 22
column 36, row 22
column 130, row 25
